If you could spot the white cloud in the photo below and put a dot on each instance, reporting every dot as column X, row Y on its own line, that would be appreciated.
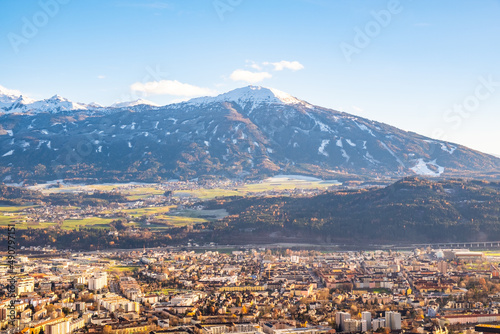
column 170, row 87
column 285, row 64
column 250, row 77
column 7, row 91
column 101, row 77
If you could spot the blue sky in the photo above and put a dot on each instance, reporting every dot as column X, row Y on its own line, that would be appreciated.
column 432, row 67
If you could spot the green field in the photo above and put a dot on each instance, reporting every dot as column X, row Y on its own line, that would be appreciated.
column 381, row 290
column 179, row 221
column 170, row 291
column 147, row 211
column 492, row 253
column 133, row 192
column 205, row 214
column 123, row 268
column 15, row 208
column 13, row 215
column 95, row 222
column 141, row 192
column 136, row 192
column 252, row 188
column 477, row 266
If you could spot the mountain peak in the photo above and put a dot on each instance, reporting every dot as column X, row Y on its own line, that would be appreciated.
column 24, row 100
column 58, row 98
column 250, row 95
column 133, row 104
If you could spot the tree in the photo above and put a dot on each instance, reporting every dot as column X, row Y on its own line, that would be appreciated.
column 40, row 170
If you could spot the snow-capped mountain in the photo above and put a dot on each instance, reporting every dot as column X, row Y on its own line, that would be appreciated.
column 133, row 104
column 247, row 97
column 9, row 97
column 247, row 132
column 12, row 101
column 250, row 97
column 54, row 104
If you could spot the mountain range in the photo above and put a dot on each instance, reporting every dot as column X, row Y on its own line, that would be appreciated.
column 250, row 132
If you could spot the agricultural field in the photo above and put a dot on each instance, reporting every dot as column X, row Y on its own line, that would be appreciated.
column 95, row 222
column 179, row 221
column 122, row 269
column 132, row 191
column 10, row 215
column 137, row 191
column 477, row 266
column 139, row 212
column 494, row 253
column 267, row 185
column 206, row 214
column 13, row 215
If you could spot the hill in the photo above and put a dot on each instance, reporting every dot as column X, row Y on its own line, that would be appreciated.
column 410, row 210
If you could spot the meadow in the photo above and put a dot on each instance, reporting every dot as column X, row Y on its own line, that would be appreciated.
column 270, row 184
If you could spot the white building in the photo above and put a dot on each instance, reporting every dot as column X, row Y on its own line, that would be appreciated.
column 98, row 282
column 58, row 328
column 354, row 326
column 367, row 316
column 25, row 284
column 234, row 329
column 113, row 302
column 340, row 318
column 378, row 323
column 76, row 324
column 80, row 280
column 393, row 320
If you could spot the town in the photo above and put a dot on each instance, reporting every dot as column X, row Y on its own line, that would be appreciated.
column 242, row 291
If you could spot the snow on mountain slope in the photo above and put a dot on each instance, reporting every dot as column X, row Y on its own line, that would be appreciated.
column 55, row 103
column 9, row 97
column 11, row 101
column 16, row 103
column 250, row 97
column 427, row 168
column 133, row 104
